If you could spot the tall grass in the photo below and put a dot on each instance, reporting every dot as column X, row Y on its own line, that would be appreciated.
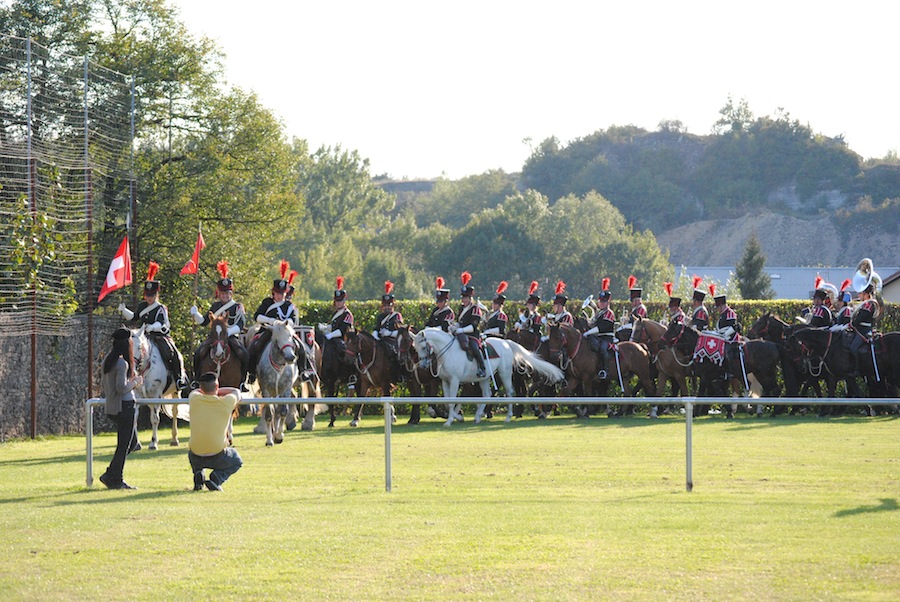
column 787, row 508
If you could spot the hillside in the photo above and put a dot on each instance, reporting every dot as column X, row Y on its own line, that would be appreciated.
column 785, row 240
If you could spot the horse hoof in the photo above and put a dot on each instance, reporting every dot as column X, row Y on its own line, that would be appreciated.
column 354, row 423
column 173, row 444
column 153, row 445
column 306, row 427
column 279, row 441
column 413, row 422
column 508, row 420
column 269, row 444
column 448, row 424
column 431, row 413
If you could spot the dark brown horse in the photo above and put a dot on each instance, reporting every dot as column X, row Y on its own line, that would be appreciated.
column 374, row 365
column 421, row 382
column 573, row 354
column 533, row 343
column 215, row 355
column 668, row 362
column 337, row 368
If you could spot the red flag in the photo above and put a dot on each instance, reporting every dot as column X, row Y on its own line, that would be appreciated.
column 194, row 262
column 119, row 273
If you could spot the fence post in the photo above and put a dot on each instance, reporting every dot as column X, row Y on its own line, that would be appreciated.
column 89, row 438
column 388, row 413
column 688, row 442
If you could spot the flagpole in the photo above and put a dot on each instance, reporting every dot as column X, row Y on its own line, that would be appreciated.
column 196, row 282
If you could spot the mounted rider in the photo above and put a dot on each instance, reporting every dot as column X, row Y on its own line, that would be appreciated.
column 637, row 309
column 497, row 320
column 466, row 330
column 341, row 320
column 441, row 314
column 699, row 315
column 818, row 316
column 727, row 324
column 275, row 308
column 560, row 314
column 842, row 310
column 602, row 331
column 867, row 283
column 530, row 318
column 155, row 318
column 675, row 313
column 224, row 305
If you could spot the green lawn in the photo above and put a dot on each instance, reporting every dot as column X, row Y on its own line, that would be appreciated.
column 785, row 508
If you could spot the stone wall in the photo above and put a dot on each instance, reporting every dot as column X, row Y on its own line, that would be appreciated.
column 62, row 385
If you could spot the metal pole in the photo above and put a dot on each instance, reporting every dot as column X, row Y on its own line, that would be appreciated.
column 388, row 412
column 32, row 201
column 89, row 213
column 689, row 444
column 89, row 438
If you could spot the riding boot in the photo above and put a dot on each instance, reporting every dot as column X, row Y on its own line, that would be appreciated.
column 604, row 361
column 251, row 365
column 480, row 361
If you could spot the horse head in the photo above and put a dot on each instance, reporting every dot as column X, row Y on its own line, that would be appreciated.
column 674, row 335
column 140, row 347
column 284, row 342
column 557, row 341
column 218, row 337
column 424, row 348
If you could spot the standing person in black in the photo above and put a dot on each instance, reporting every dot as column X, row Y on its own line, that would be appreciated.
column 119, row 382
column 441, row 314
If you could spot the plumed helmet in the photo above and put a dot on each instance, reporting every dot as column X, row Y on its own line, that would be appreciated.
column 699, row 294
column 633, row 290
column 280, row 285
column 152, row 285
column 440, row 293
column 669, row 288
column 225, row 283
column 845, row 292
column 501, row 288
column 466, row 290
column 533, row 297
column 339, row 293
column 560, row 297
column 604, row 294
column 388, row 297
column 717, row 299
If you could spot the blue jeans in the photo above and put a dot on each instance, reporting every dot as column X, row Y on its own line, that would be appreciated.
column 223, row 464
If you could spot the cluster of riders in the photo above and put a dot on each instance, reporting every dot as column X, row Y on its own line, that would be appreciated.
column 832, row 340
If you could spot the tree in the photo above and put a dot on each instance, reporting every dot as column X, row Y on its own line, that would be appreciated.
column 752, row 280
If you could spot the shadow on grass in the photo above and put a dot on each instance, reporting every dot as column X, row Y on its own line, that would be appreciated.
column 887, row 504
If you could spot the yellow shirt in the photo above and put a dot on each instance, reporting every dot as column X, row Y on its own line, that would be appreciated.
column 209, row 422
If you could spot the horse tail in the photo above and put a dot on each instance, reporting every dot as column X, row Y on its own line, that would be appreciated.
column 524, row 358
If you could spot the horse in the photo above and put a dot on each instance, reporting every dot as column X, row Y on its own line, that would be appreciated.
column 421, row 382
column 158, row 383
column 220, row 360
column 335, row 366
column 442, row 354
column 532, row 342
column 757, row 357
column 581, row 364
column 276, row 373
column 375, row 368
column 668, row 363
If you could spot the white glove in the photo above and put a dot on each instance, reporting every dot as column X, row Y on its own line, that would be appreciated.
column 391, row 333
column 594, row 330
column 155, row 327
column 376, row 336
column 521, row 318
column 452, row 328
column 127, row 313
column 332, row 334
column 544, row 320
column 545, row 338
column 198, row 319
column 466, row 329
column 234, row 330
column 494, row 330
column 728, row 332
column 263, row 319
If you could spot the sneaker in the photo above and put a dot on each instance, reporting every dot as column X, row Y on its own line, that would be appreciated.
column 198, row 480
column 213, row 486
column 602, row 375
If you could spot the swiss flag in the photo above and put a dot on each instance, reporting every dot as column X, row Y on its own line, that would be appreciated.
column 119, row 273
column 194, row 262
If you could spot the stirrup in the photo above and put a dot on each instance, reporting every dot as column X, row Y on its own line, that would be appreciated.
column 602, row 375
column 481, row 373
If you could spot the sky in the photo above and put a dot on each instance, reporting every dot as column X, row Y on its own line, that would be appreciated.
column 426, row 89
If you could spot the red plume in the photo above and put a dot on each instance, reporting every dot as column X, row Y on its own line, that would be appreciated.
column 439, row 282
column 532, row 287
column 560, row 287
column 819, row 281
column 388, row 287
column 291, row 276
column 604, row 284
column 632, row 282
column 152, row 269
column 284, row 268
column 501, row 288
column 339, row 283
column 712, row 289
column 697, row 280
column 465, row 277
column 667, row 286
column 222, row 266
column 845, row 284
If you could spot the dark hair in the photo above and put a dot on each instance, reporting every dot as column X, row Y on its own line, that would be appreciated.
column 121, row 347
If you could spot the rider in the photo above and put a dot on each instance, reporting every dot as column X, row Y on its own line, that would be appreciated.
column 637, row 309
column 272, row 309
column 530, row 319
column 387, row 328
column 727, row 325
column 843, row 311
column 224, row 305
column 155, row 317
column 699, row 315
column 469, row 320
column 819, row 316
column 602, row 330
column 442, row 314
column 676, row 314
column 497, row 320
column 560, row 314
column 341, row 320
column 868, row 283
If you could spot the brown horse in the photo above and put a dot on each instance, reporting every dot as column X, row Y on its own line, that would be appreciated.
column 667, row 360
column 581, row 365
column 215, row 355
column 421, row 382
column 533, row 343
column 374, row 366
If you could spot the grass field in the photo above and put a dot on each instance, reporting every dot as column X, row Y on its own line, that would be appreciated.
column 785, row 509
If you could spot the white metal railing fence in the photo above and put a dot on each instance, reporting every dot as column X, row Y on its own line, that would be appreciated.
column 388, row 402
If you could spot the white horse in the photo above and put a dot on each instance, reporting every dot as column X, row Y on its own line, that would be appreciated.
column 157, row 384
column 448, row 361
column 276, row 373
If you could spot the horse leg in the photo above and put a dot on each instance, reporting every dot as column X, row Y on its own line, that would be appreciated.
column 174, row 442
column 309, row 419
column 154, row 423
column 281, row 415
column 357, row 413
column 269, row 414
column 485, row 393
column 451, row 390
